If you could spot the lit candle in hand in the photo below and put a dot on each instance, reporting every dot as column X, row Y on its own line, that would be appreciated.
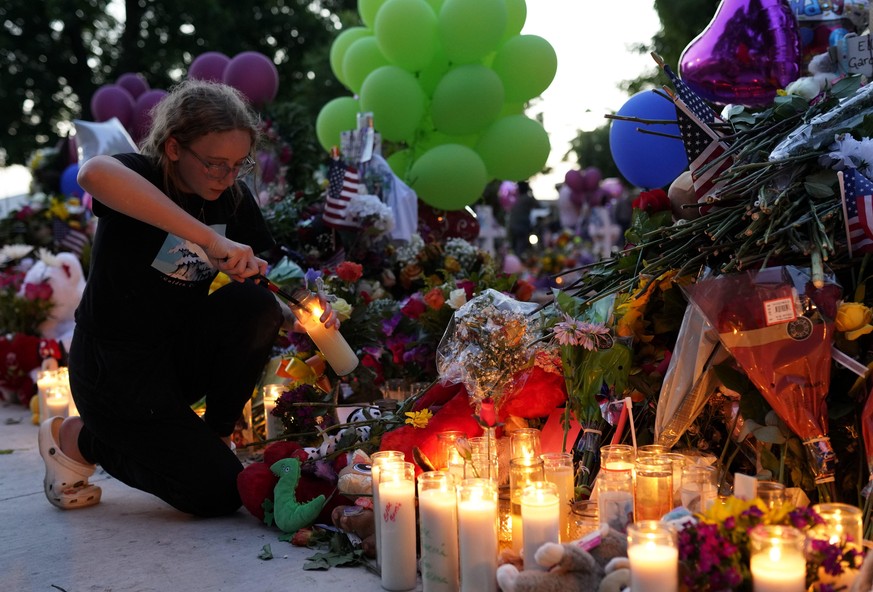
column 328, row 340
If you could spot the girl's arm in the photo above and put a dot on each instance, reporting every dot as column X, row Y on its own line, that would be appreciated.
column 126, row 191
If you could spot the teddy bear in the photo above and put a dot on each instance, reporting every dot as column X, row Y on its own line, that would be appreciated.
column 596, row 562
column 63, row 273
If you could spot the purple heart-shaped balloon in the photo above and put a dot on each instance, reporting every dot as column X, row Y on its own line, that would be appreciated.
column 749, row 50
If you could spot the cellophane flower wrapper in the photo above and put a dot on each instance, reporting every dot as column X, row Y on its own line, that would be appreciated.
column 689, row 380
column 489, row 340
column 779, row 328
column 867, row 435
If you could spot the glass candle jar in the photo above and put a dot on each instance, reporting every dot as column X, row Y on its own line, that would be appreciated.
column 615, row 498
column 654, row 557
column 776, row 559
column 653, row 487
column 541, row 520
column 522, row 472
column 699, row 488
column 477, row 535
column 558, row 469
column 617, row 457
column 524, row 443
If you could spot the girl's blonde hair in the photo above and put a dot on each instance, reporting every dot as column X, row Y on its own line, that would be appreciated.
column 194, row 108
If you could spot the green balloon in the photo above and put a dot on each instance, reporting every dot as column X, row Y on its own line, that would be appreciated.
column 407, row 33
column 362, row 57
column 368, row 9
column 470, row 29
column 516, row 14
column 396, row 101
column 400, row 161
column 337, row 116
column 467, row 100
column 527, row 65
column 431, row 75
column 448, row 177
column 339, row 47
column 437, row 5
column 514, row 148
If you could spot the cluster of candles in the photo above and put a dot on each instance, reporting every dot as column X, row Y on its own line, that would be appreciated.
column 53, row 391
column 459, row 514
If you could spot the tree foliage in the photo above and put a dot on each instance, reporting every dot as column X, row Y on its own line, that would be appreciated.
column 54, row 54
column 681, row 22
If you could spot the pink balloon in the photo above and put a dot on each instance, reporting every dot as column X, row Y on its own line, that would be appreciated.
column 142, row 119
column 135, row 84
column 512, row 264
column 254, row 75
column 592, row 177
column 749, row 50
column 575, row 180
column 612, row 186
column 111, row 101
column 208, row 66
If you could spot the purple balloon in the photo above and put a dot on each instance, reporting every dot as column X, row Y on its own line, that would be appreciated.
column 111, row 101
column 749, row 51
column 592, row 177
column 269, row 166
column 254, row 75
column 575, row 180
column 135, row 84
column 208, row 66
column 142, row 119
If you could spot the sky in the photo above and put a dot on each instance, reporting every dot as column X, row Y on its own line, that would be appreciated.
column 591, row 41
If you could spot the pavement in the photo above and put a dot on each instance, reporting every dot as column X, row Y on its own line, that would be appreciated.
column 133, row 542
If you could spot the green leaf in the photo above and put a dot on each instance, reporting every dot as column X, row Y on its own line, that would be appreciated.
column 818, row 189
column 266, row 553
column 316, row 565
column 6, row 451
column 845, row 87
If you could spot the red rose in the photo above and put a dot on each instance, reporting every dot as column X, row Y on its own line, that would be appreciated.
column 413, row 308
column 523, row 290
column 652, row 201
column 349, row 272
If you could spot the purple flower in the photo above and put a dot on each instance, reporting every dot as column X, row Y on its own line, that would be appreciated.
column 311, row 275
column 390, row 325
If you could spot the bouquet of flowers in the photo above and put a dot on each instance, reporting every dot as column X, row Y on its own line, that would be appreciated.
column 779, row 327
column 488, row 341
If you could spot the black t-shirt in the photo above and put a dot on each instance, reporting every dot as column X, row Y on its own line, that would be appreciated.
column 143, row 280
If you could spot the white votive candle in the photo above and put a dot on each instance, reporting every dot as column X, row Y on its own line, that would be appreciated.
column 558, row 468
column 396, row 513
column 477, row 535
column 438, row 527
column 274, row 426
column 377, row 461
column 654, row 558
column 541, row 519
column 328, row 340
column 57, row 403
column 776, row 559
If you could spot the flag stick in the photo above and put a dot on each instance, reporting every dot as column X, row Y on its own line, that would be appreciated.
column 845, row 211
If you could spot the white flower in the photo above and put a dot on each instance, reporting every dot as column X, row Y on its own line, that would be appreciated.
column 408, row 252
column 852, row 153
column 14, row 252
column 372, row 213
column 807, row 87
column 457, row 298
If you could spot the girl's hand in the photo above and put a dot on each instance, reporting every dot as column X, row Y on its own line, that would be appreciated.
column 235, row 259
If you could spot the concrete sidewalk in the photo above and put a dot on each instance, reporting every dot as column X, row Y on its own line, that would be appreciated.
column 133, row 542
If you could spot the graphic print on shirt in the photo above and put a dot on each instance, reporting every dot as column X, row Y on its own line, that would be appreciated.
column 183, row 261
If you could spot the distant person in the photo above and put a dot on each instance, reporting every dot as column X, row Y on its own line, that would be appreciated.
column 150, row 340
column 520, row 225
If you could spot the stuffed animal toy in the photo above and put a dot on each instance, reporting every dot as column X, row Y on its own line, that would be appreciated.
column 63, row 274
column 257, row 483
column 595, row 563
column 289, row 514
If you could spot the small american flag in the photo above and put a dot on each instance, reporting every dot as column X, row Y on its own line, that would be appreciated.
column 343, row 182
column 703, row 145
column 857, row 196
column 68, row 238
column 692, row 100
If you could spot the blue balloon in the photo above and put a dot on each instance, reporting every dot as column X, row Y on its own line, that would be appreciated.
column 69, row 185
column 647, row 160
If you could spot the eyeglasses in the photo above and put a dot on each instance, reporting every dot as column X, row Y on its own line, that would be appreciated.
column 220, row 171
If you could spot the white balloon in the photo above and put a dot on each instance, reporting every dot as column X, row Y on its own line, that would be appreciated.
column 104, row 137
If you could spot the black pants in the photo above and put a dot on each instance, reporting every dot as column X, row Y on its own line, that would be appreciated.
column 135, row 399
